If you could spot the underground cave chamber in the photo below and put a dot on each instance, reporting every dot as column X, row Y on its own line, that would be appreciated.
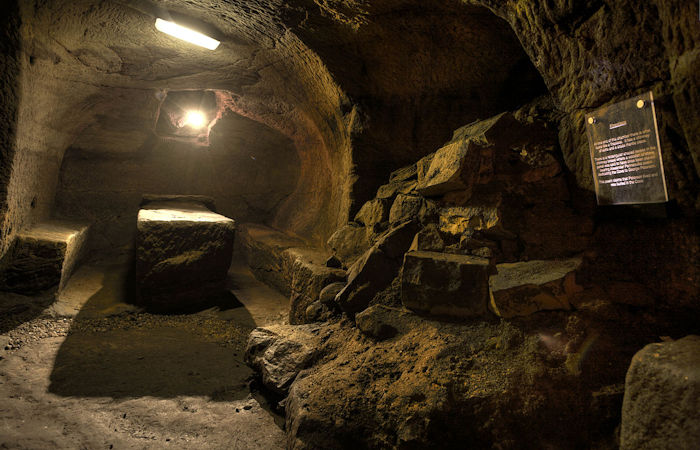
column 391, row 224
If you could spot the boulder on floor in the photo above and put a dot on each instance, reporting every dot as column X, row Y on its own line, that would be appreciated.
column 183, row 252
column 43, row 256
column 445, row 285
column 524, row 288
column 661, row 407
column 279, row 352
column 377, row 267
column 317, row 312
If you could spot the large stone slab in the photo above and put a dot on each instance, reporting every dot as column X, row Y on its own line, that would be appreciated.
column 205, row 200
column 524, row 288
column 457, row 165
column 369, row 275
column 661, row 406
column 43, row 256
column 445, row 285
column 183, row 252
column 376, row 268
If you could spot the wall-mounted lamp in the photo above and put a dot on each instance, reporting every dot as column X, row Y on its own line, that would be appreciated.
column 191, row 36
column 186, row 116
column 194, row 119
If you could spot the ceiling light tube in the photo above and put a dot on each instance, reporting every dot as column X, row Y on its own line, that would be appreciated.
column 191, row 36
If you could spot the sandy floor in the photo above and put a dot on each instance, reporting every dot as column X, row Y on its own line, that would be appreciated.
column 89, row 371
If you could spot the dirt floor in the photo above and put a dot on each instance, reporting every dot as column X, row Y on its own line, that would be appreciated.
column 90, row 371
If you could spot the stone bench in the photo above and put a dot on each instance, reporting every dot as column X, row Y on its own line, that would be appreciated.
column 288, row 264
column 183, row 252
column 44, row 256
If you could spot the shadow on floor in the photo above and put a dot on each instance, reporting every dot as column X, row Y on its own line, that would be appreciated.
column 114, row 350
column 16, row 309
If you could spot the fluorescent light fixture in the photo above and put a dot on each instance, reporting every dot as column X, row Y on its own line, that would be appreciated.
column 195, row 119
column 191, row 36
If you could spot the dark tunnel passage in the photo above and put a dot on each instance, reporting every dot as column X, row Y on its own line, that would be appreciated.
column 330, row 224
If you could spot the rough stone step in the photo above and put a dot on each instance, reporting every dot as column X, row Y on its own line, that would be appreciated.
column 44, row 256
column 286, row 263
column 183, row 252
column 262, row 248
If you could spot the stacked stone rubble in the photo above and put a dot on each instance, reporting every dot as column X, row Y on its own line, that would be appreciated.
column 494, row 194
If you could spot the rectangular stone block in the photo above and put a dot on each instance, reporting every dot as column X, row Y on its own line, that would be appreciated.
column 183, row 252
column 661, row 407
column 524, row 288
column 445, row 285
column 44, row 256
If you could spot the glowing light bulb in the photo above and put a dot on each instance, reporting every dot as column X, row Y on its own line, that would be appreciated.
column 191, row 36
column 194, row 119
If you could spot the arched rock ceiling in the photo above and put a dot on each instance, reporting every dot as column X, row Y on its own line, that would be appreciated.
column 360, row 87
